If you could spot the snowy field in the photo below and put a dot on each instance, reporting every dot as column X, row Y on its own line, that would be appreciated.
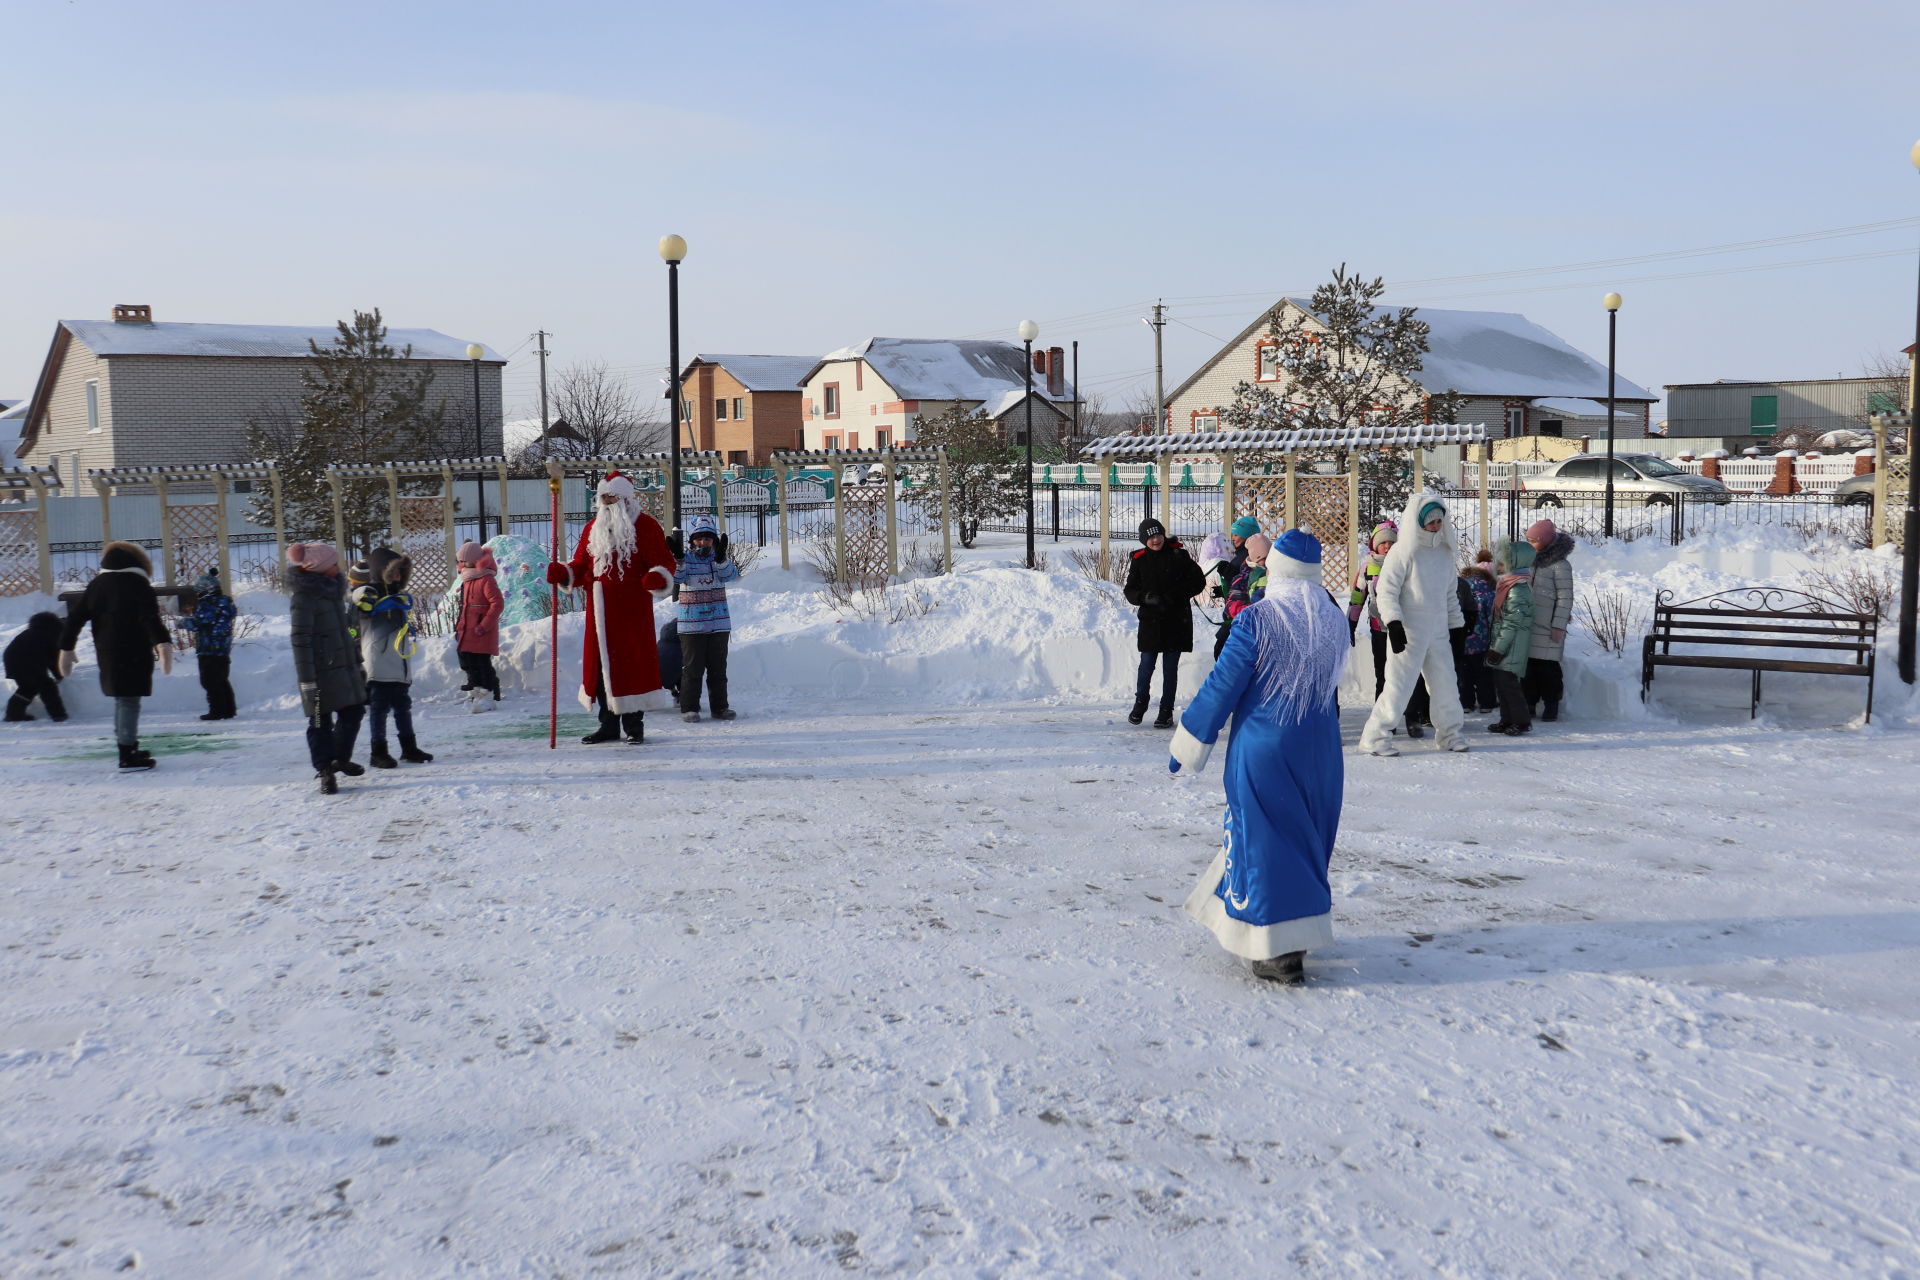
column 889, row 976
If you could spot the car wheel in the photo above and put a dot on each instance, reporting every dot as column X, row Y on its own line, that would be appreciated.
column 1856, row 499
column 1545, row 501
column 1659, row 500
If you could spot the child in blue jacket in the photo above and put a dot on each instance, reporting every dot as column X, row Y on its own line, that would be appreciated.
column 212, row 627
column 700, row 593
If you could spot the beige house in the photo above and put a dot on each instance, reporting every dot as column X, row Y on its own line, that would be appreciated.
column 134, row 392
column 1516, row 378
column 876, row 393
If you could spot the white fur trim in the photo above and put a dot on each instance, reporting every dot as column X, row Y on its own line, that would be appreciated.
column 570, row 582
column 651, row 700
column 1280, row 566
column 666, row 580
column 1189, row 750
column 1252, row 941
column 618, row 484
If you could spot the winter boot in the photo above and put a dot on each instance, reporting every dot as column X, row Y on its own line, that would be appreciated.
column 349, row 768
column 609, row 731
column 1165, row 719
column 635, row 725
column 1414, row 729
column 1498, row 726
column 691, row 717
column 328, row 787
column 1552, row 712
column 477, row 701
column 134, row 758
column 1139, row 711
column 1289, row 970
column 410, row 752
column 379, row 758
column 725, row 713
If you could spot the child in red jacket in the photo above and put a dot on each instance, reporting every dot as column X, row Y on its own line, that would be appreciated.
column 476, row 625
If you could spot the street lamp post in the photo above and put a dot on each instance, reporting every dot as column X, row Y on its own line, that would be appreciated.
column 1612, row 303
column 1910, row 528
column 1028, row 332
column 474, row 352
column 673, row 250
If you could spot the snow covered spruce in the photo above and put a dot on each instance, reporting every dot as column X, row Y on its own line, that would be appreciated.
column 1266, row 896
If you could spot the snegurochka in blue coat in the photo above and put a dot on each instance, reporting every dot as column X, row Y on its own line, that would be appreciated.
column 1266, row 896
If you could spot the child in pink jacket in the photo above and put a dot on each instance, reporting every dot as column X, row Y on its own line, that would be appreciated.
column 476, row 625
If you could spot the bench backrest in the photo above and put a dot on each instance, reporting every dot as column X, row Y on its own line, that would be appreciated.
column 1769, row 617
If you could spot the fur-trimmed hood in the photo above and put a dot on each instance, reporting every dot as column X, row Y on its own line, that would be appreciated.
column 125, row 555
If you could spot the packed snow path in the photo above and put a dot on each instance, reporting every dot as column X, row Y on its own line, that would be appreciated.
column 907, row 991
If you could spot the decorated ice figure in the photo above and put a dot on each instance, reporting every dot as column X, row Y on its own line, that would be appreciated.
column 521, row 577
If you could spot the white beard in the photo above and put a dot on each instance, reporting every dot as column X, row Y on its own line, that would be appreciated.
column 613, row 539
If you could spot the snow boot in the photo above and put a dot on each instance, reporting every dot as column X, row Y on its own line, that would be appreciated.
column 349, row 768
column 328, row 787
column 1498, row 726
column 18, row 717
column 725, row 713
column 1552, row 712
column 1289, row 970
column 379, row 758
column 1139, row 711
column 635, row 725
column 605, row 733
column 134, row 758
column 410, row 752
column 1414, row 730
column 478, row 702
column 1165, row 719
column 691, row 717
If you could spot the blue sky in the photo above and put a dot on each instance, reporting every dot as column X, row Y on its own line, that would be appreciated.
column 947, row 169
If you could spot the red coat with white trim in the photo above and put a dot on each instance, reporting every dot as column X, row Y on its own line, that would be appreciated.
column 620, row 630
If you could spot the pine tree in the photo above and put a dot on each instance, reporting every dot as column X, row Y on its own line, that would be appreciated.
column 983, row 471
column 1349, row 363
column 361, row 402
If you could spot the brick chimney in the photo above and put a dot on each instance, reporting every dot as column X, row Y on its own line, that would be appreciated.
column 132, row 313
column 1056, row 372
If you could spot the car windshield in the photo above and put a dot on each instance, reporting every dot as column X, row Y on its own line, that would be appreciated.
column 1657, row 467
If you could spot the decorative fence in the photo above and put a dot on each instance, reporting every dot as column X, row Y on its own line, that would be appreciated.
column 1806, row 473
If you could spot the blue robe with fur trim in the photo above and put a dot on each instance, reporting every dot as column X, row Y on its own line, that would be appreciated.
column 1266, row 892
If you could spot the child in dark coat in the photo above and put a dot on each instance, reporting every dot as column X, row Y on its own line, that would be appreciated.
column 212, row 627
column 33, row 664
column 128, row 638
column 1161, row 582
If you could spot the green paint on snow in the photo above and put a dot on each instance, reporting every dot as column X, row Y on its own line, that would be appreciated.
column 577, row 723
column 160, row 744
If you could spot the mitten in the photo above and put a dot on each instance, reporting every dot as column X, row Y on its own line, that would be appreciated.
column 67, row 659
column 163, row 653
column 559, row 574
column 1397, row 636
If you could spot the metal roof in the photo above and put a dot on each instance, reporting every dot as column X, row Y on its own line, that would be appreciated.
column 764, row 373
column 946, row 368
column 273, row 341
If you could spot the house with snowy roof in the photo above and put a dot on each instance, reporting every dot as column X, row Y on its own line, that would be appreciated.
column 136, row 392
column 744, row 407
column 1514, row 377
column 876, row 393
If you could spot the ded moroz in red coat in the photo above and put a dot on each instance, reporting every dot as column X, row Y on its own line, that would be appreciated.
column 620, row 630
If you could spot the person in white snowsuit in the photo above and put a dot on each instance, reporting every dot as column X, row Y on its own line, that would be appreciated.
column 1419, row 607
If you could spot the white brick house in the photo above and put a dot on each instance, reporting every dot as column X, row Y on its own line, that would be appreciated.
column 1515, row 377
column 876, row 393
column 134, row 392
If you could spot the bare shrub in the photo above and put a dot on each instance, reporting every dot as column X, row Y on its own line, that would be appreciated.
column 1613, row 617
column 1042, row 562
column 1086, row 562
column 745, row 555
column 1871, row 587
column 922, row 559
column 908, row 601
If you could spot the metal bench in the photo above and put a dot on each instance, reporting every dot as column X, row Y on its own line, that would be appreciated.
column 1759, row 618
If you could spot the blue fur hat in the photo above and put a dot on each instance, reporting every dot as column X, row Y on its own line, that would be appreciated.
column 1244, row 527
column 1296, row 554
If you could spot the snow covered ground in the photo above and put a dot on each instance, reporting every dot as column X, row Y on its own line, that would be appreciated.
column 889, row 976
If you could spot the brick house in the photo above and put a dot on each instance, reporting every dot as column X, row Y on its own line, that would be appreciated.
column 744, row 407
column 876, row 393
column 133, row 391
column 1515, row 378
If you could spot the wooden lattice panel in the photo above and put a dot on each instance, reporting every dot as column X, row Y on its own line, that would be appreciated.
column 1262, row 497
column 1899, row 476
column 1321, row 504
column 866, row 532
column 19, row 553
column 423, row 539
column 196, row 540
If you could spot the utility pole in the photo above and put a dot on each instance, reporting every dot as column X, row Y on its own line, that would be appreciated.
column 1158, row 323
column 546, row 439
column 1076, row 398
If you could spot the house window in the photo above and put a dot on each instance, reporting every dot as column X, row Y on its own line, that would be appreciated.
column 831, row 395
column 720, row 409
column 739, row 408
column 738, row 457
column 1553, row 427
column 831, row 440
column 880, row 438
column 1266, row 360
column 1204, row 420
column 93, row 404
column 1516, row 420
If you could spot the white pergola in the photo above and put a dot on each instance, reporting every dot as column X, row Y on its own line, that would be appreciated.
column 837, row 460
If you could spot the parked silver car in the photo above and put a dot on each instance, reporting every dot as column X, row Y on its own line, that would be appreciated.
column 1854, row 490
column 1637, row 477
